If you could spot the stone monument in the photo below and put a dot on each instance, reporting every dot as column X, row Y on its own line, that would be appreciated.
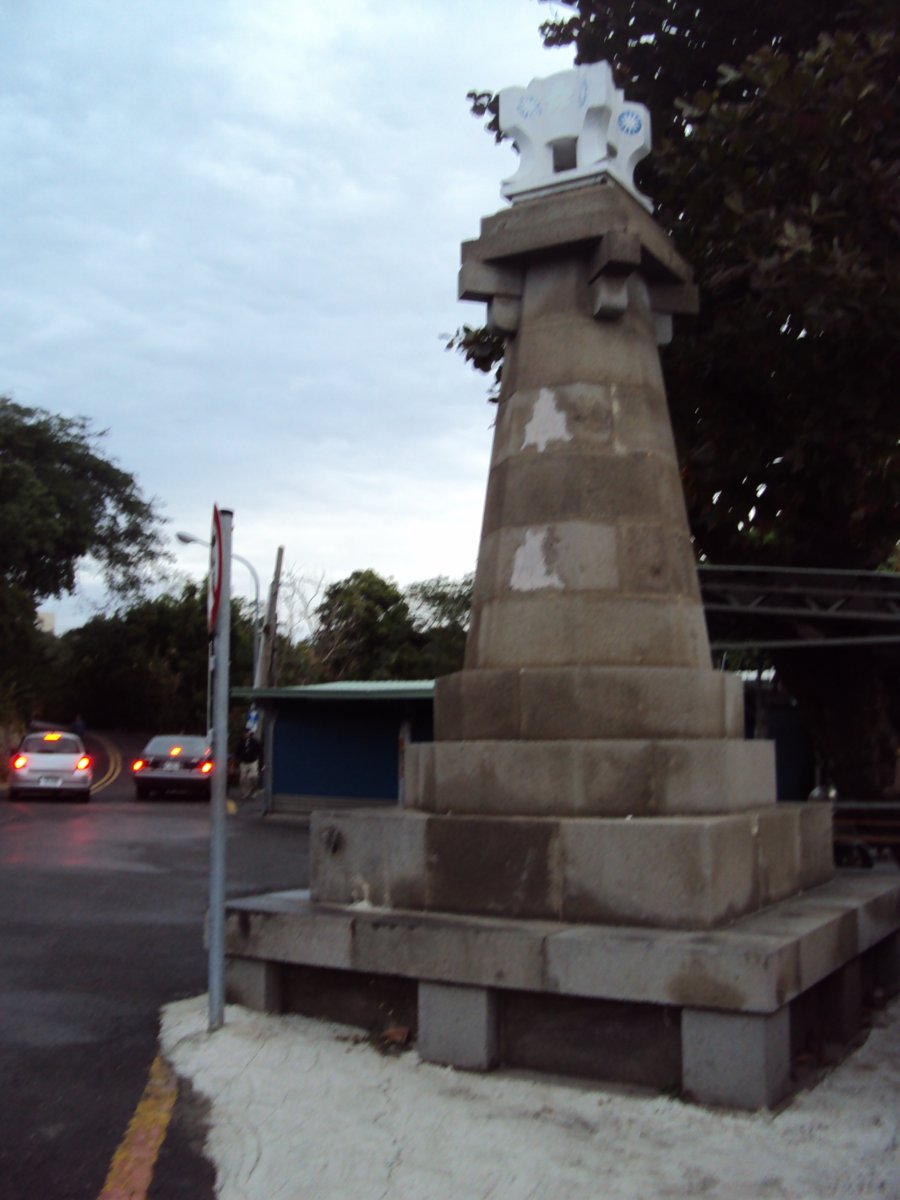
column 590, row 874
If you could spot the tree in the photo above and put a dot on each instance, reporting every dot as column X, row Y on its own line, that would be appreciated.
column 60, row 502
column 440, row 610
column 364, row 629
column 367, row 628
column 776, row 170
column 145, row 667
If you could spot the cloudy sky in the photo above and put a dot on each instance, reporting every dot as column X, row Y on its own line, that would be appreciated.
column 231, row 238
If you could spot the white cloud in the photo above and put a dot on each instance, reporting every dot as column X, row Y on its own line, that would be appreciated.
column 232, row 240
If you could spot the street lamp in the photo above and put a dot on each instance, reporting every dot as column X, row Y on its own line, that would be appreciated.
column 186, row 539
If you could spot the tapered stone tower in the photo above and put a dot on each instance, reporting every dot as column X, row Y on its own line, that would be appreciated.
column 591, row 873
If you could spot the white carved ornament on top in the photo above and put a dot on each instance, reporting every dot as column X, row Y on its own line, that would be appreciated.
column 571, row 127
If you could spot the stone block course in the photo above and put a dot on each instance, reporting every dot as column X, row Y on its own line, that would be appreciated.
column 376, row 858
column 682, row 872
column 549, row 703
column 571, row 485
column 597, row 778
column 530, row 422
column 477, row 951
column 547, row 628
column 752, row 964
column 676, row 872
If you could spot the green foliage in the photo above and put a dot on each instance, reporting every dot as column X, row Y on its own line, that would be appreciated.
column 783, row 392
column 60, row 501
column 483, row 349
column 146, row 667
column 28, row 658
column 665, row 50
column 776, row 169
column 366, row 628
column 777, row 173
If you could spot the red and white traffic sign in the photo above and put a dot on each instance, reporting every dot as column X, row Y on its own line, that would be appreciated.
column 214, row 589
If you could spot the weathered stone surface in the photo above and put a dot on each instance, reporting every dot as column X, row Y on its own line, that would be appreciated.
column 574, row 556
column 530, row 422
column 548, row 703
column 361, row 857
column 701, row 870
column 253, row 983
column 572, row 485
column 549, row 628
column 493, row 866
column 458, row 1026
column 289, row 936
column 570, row 218
column 626, row 777
column 816, row 852
column 738, row 1060
column 729, row 969
column 675, row 872
column 756, row 964
column 477, row 950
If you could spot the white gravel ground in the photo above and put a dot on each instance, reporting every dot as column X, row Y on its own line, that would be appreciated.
column 304, row 1110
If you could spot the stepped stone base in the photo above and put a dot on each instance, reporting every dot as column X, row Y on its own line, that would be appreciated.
column 584, row 702
column 602, row 777
column 719, row 1015
column 689, row 872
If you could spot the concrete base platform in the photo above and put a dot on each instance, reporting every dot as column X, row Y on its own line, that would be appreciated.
column 718, row 1015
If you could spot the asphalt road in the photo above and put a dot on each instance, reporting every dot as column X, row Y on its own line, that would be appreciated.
column 103, row 908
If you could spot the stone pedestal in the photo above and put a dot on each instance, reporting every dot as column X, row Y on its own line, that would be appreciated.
column 589, row 764
column 591, row 873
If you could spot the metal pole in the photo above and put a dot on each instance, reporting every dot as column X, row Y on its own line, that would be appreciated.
column 219, row 787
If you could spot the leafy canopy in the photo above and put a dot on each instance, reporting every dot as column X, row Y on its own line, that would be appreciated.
column 776, row 169
column 61, row 500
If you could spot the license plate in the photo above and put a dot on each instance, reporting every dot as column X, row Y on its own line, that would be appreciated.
column 49, row 781
column 171, row 766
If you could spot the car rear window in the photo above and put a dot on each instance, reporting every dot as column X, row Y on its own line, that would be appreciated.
column 191, row 747
column 62, row 743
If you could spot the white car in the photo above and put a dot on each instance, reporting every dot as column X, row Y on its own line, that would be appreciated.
column 53, row 764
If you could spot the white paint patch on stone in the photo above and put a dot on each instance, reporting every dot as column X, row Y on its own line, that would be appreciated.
column 547, row 423
column 530, row 570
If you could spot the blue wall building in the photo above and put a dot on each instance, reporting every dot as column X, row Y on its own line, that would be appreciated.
column 333, row 744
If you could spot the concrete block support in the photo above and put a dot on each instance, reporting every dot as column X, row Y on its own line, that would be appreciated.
column 458, row 1026
column 254, row 983
column 739, row 1060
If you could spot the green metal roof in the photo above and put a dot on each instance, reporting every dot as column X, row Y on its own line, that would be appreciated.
column 387, row 689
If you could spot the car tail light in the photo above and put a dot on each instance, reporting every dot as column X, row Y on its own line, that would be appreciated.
column 138, row 764
column 19, row 762
column 206, row 767
column 83, row 763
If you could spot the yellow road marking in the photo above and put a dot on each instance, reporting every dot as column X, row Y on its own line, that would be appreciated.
column 115, row 764
column 131, row 1169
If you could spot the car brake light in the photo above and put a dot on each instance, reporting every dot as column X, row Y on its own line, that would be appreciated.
column 83, row 763
column 206, row 767
column 174, row 752
column 138, row 764
column 19, row 762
